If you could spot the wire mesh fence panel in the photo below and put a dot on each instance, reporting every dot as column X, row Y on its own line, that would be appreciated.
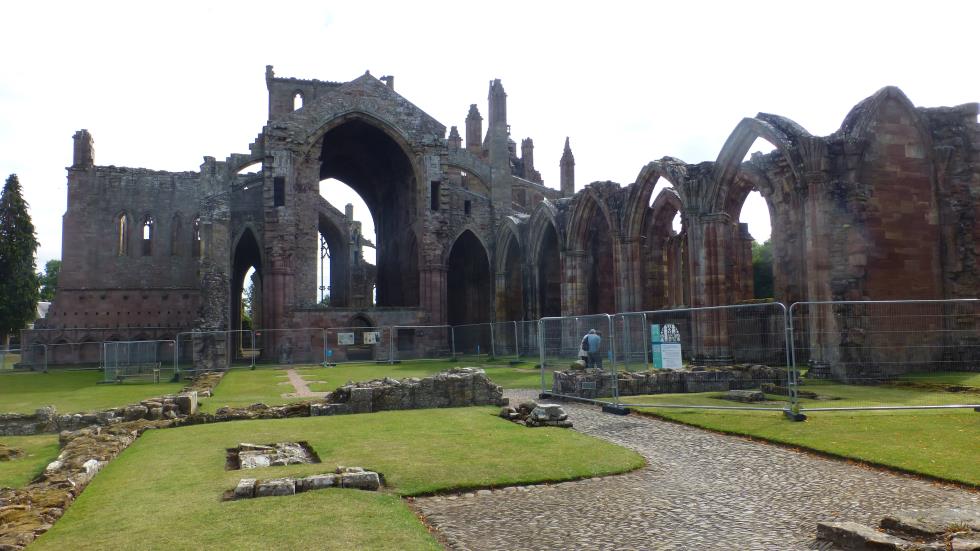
column 887, row 354
column 358, row 344
column 80, row 355
column 215, row 350
column 527, row 340
column 147, row 361
column 425, row 342
column 33, row 357
column 726, row 357
column 572, row 365
column 473, row 340
column 291, row 346
column 504, row 339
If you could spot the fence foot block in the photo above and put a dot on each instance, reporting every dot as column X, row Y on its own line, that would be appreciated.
column 794, row 416
column 615, row 410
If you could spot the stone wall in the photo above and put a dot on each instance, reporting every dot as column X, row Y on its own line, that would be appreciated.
column 716, row 379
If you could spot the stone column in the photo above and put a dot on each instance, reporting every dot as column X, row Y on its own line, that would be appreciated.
column 708, row 239
column 433, row 292
column 818, row 216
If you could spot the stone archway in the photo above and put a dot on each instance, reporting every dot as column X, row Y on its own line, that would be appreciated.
column 360, row 153
column 247, row 255
column 469, row 285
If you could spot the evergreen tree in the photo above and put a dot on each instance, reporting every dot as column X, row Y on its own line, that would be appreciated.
column 18, row 281
column 48, row 279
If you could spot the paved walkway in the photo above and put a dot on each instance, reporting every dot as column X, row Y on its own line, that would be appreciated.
column 700, row 491
column 301, row 385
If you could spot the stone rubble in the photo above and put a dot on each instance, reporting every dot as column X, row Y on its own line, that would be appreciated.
column 252, row 456
column 936, row 528
column 533, row 414
column 28, row 512
column 171, row 406
column 593, row 383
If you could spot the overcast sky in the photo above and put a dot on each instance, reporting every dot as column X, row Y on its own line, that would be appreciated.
column 160, row 85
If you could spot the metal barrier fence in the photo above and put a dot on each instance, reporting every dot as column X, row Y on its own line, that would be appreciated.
column 505, row 340
column 152, row 361
column 891, row 347
column 560, row 346
column 291, row 346
column 213, row 350
column 474, row 340
column 527, row 339
column 421, row 342
column 725, row 348
column 82, row 355
column 357, row 344
column 33, row 357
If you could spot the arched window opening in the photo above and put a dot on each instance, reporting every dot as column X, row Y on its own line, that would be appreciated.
column 147, row 241
column 196, row 236
column 297, row 100
column 123, row 235
column 346, row 267
column 676, row 224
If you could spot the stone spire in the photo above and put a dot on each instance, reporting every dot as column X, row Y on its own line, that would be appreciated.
column 567, row 165
column 474, row 130
column 454, row 141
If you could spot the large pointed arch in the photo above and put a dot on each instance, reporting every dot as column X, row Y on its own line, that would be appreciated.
column 638, row 200
column 509, row 269
column 247, row 254
column 738, row 144
column 469, row 286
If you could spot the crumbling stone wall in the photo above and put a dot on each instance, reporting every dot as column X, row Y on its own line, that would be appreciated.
column 884, row 208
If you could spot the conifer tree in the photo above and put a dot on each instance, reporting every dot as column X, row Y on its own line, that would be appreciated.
column 18, row 280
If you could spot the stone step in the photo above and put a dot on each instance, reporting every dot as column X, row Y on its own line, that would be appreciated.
column 851, row 536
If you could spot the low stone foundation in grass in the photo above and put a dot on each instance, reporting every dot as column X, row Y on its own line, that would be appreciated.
column 937, row 529
column 342, row 477
column 533, row 414
column 594, row 383
column 169, row 407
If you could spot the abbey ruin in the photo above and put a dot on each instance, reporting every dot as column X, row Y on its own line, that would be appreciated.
column 884, row 208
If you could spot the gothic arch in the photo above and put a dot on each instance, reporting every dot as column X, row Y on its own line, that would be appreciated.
column 737, row 145
column 585, row 205
column 448, row 249
column 469, row 284
column 638, row 200
column 508, row 234
column 860, row 121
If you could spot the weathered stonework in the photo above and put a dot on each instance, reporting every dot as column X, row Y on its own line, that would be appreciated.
column 883, row 208
column 595, row 383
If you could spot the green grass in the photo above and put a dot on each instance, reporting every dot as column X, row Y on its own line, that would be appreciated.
column 163, row 492
column 39, row 451
column 937, row 443
column 71, row 391
column 243, row 387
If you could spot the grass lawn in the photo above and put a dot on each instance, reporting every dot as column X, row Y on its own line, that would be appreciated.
column 166, row 487
column 939, row 443
column 72, row 391
column 40, row 450
column 243, row 387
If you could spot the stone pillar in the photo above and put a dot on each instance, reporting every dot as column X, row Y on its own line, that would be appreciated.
column 433, row 292
column 708, row 239
column 743, row 287
column 818, row 217
column 500, row 295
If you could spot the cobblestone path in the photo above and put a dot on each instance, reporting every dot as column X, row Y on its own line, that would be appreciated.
column 700, row 491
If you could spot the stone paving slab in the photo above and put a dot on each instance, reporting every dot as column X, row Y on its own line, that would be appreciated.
column 700, row 490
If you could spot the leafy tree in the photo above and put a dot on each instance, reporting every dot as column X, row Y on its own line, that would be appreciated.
column 49, row 279
column 18, row 281
column 762, row 269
